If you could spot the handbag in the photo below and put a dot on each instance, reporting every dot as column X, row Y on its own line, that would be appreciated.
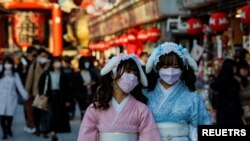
column 41, row 101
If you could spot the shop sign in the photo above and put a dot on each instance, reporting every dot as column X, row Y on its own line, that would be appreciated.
column 28, row 26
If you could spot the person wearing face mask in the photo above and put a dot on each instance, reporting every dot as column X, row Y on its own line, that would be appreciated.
column 40, row 65
column 59, row 99
column 175, row 106
column 243, row 78
column 9, row 83
column 118, row 110
column 85, row 84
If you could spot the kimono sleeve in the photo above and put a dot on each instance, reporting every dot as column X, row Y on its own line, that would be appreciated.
column 148, row 131
column 88, row 129
column 199, row 116
column 199, row 113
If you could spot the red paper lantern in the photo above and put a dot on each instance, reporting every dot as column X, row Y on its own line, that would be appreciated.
column 111, row 42
column 219, row 22
column 194, row 26
column 245, row 14
column 131, row 48
column 131, row 38
column 153, row 34
column 142, row 35
column 124, row 39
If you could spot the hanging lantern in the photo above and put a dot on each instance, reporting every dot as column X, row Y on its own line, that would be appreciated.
column 111, row 42
column 102, row 46
column 153, row 34
column 219, row 22
column 142, row 35
column 194, row 26
column 245, row 14
column 28, row 26
column 131, row 48
column 92, row 46
column 124, row 39
column 131, row 38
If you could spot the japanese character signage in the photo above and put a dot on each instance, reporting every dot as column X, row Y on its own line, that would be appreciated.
column 28, row 26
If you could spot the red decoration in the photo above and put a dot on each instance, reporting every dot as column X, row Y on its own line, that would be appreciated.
column 153, row 34
column 142, row 35
column 86, row 3
column 245, row 14
column 194, row 26
column 124, row 39
column 131, row 48
column 28, row 26
column 219, row 22
column 111, row 42
column 86, row 52
column 131, row 38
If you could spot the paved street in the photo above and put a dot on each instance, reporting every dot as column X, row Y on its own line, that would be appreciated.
column 20, row 135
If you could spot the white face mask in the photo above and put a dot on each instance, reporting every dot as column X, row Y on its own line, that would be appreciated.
column 127, row 82
column 1, row 67
column 86, row 65
column 8, row 66
column 170, row 75
column 43, row 60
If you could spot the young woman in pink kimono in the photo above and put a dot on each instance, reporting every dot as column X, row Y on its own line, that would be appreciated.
column 118, row 111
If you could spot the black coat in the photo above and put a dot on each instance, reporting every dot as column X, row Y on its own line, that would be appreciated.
column 81, row 91
column 57, row 99
column 226, row 100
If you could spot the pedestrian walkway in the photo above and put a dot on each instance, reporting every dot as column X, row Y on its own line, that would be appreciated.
column 20, row 135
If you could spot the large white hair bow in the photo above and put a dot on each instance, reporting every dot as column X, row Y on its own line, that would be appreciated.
column 115, row 61
column 166, row 48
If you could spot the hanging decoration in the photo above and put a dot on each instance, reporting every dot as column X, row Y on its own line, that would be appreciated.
column 219, row 22
column 153, row 34
column 245, row 14
column 194, row 26
column 28, row 26
column 142, row 35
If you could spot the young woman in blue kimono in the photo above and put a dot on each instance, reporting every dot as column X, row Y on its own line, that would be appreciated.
column 176, row 107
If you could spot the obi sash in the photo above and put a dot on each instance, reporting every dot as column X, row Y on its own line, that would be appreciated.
column 117, row 136
column 173, row 131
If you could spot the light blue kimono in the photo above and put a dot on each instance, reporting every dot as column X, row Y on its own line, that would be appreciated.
column 179, row 106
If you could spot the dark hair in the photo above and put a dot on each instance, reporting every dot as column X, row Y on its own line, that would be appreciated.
column 82, row 60
column 54, row 59
column 143, row 53
column 9, row 60
column 40, row 51
column 67, row 59
column 31, row 49
column 227, row 69
column 188, row 75
column 105, row 91
column 243, row 65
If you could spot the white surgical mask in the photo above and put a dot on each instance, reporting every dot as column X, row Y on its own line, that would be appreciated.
column 43, row 60
column 170, row 75
column 7, row 66
column 127, row 82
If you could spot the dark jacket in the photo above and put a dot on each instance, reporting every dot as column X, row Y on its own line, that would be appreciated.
column 227, row 89
column 57, row 102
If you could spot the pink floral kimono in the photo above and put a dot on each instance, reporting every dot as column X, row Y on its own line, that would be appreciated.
column 128, row 121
